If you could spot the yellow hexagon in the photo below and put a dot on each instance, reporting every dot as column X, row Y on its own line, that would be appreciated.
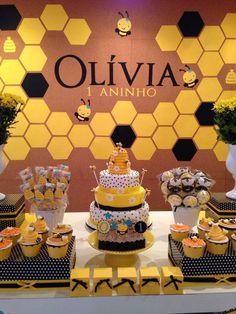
column 205, row 138
column 168, row 37
column 31, row 30
column 143, row 148
column 186, row 125
column 16, row 148
column 60, row 148
column 221, row 151
column 187, row 101
column 226, row 94
column 20, row 127
column 54, row 17
column 59, row 123
column 144, row 124
column 38, row 135
column 36, row 110
column 210, row 63
column 101, row 147
column 33, row 58
column 209, row 89
column 229, row 25
column 1, row 85
column 11, row 71
column 102, row 123
column 16, row 90
column 164, row 137
column 228, row 51
column 189, row 50
column 124, row 112
column 165, row 113
column 77, row 31
column 81, row 135
column 211, row 37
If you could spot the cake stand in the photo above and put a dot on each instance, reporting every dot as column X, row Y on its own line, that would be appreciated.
column 119, row 258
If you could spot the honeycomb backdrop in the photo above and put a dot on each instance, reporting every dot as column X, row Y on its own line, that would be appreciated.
column 162, row 125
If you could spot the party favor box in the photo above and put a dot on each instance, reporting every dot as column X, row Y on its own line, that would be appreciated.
column 221, row 207
column 19, row 272
column 12, row 211
column 102, row 281
column 172, row 280
column 149, row 280
column 79, row 282
column 126, row 281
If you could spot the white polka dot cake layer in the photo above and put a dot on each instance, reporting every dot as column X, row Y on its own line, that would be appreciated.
column 122, row 181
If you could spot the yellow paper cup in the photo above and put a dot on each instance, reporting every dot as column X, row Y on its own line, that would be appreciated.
column 57, row 251
column 31, row 250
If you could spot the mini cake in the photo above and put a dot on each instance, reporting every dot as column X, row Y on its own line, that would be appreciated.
column 203, row 227
column 233, row 241
column 193, row 247
column 41, row 227
column 57, row 246
column 30, row 242
column 11, row 233
column 216, row 240
column 5, row 248
column 229, row 225
column 63, row 230
column 179, row 231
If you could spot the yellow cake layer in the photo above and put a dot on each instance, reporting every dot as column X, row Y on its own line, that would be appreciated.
column 129, row 190
column 120, row 200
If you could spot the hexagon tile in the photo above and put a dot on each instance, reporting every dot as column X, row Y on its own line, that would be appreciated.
column 209, row 89
column 205, row 114
column 35, row 85
column 211, row 37
column 164, row 137
column 101, row 147
column 210, row 63
column 191, row 24
column 143, row 148
column 227, row 51
column 229, row 25
column 187, row 101
column 60, row 148
column 205, row 138
column 124, row 112
column 31, row 30
column 184, row 149
column 33, row 58
column 11, row 71
column 36, row 110
column 221, row 151
column 102, row 123
column 189, row 50
column 59, row 123
column 54, row 17
column 144, row 124
column 77, row 31
column 168, row 37
column 81, row 136
column 16, row 148
column 38, row 135
column 9, row 17
column 123, row 134
column 186, row 125
column 165, row 113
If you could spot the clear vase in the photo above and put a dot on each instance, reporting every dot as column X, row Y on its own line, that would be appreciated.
column 186, row 215
column 231, row 167
column 2, row 167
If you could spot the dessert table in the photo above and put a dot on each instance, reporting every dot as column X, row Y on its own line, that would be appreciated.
column 196, row 299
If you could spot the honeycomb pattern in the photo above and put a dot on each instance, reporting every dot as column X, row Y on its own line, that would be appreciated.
column 191, row 23
column 36, row 110
column 143, row 148
column 210, row 63
column 227, row 51
column 165, row 113
column 211, row 38
column 60, row 148
column 81, row 136
column 184, row 150
column 33, row 138
column 123, row 134
column 102, row 124
column 77, row 31
column 229, row 25
column 35, row 85
column 221, row 151
column 11, row 72
column 164, row 137
column 106, row 144
column 31, row 30
column 144, row 124
column 124, row 112
column 168, row 37
column 209, row 89
column 54, row 17
column 9, row 17
column 186, row 125
column 33, row 58
column 59, row 123
column 16, row 148
column 187, row 101
column 205, row 138
column 189, row 50
column 205, row 114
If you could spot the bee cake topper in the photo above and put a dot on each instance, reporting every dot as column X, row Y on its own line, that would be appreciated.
column 189, row 77
column 83, row 112
column 123, row 25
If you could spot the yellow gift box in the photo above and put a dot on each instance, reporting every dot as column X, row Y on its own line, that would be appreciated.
column 172, row 280
column 102, row 281
column 126, row 281
column 79, row 282
column 149, row 280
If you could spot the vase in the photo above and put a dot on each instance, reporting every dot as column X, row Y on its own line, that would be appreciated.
column 186, row 215
column 2, row 167
column 231, row 167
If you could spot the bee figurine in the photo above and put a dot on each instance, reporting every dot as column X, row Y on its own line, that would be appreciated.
column 123, row 25
column 83, row 112
column 189, row 77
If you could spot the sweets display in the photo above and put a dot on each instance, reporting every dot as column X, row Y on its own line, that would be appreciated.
column 217, row 240
column 57, row 246
column 120, row 210
column 30, row 242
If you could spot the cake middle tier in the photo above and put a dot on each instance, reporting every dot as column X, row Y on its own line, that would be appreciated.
column 129, row 197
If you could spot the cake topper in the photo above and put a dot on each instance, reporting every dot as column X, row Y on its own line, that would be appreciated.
column 143, row 174
column 123, row 25
column 93, row 168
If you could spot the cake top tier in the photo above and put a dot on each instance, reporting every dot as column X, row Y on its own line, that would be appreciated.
column 119, row 161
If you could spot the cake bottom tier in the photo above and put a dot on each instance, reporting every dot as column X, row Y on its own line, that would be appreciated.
column 125, row 246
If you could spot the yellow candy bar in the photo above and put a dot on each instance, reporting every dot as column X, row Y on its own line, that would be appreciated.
column 59, row 193
column 38, row 195
column 48, row 195
column 28, row 194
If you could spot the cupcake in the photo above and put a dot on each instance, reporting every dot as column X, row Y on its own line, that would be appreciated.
column 5, row 248
column 57, row 246
column 203, row 227
column 229, row 225
column 63, row 229
column 30, row 242
column 11, row 233
column 179, row 231
column 233, row 240
column 216, row 240
column 193, row 247
column 41, row 227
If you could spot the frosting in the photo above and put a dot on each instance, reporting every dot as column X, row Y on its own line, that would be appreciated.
column 40, row 225
column 194, row 242
column 205, row 224
column 216, row 234
column 233, row 236
column 10, row 232
column 228, row 223
column 109, row 180
column 30, row 237
column 179, row 227
column 62, row 228
column 57, row 240
column 5, row 243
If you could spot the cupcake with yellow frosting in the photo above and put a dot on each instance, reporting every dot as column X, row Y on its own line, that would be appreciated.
column 41, row 227
column 63, row 230
column 233, row 241
column 30, row 242
column 179, row 231
column 193, row 247
column 57, row 246
column 217, row 240
column 11, row 233
column 203, row 227
column 5, row 248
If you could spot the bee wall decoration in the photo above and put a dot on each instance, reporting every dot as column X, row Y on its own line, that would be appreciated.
column 189, row 77
column 83, row 112
column 123, row 25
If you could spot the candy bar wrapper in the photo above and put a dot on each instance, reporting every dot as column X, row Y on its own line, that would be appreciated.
column 49, row 193
column 64, row 167
column 37, row 169
column 25, row 172
column 26, row 189
column 57, row 173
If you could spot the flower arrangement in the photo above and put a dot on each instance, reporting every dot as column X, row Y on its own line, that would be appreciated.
column 10, row 106
column 225, row 120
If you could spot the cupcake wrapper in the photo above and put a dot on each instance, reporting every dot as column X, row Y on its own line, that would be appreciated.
column 216, row 248
column 31, row 250
column 193, row 252
column 179, row 236
column 57, row 251
column 5, row 253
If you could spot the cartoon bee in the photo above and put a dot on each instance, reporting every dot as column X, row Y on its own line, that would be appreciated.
column 189, row 77
column 83, row 111
column 123, row 25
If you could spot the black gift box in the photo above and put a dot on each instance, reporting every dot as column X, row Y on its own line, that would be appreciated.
column 220, row 207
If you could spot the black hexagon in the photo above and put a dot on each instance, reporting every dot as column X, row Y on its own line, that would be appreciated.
column 184, row 149
column 9, row 17
column 35, row 85
column 191, row 24
column 205, row 114
column 123, row 134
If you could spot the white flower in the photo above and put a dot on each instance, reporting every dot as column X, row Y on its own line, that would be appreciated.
column 116, row 168
column 109, row 197
column 132, row 200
